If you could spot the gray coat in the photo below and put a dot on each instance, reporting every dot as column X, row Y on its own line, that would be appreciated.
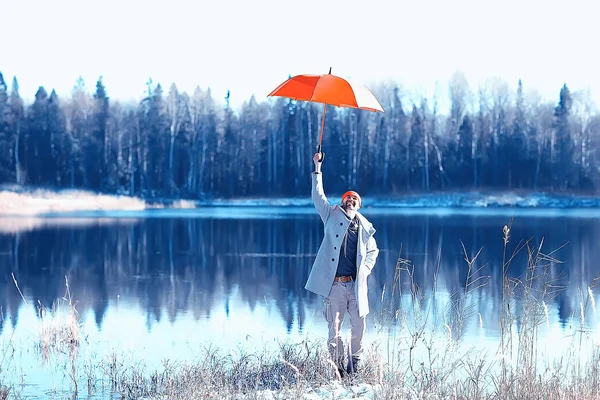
column 335, row 223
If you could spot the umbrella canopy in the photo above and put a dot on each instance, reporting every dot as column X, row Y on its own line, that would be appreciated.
column 328, row 89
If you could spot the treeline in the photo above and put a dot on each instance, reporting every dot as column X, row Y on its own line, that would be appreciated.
column 177, row 144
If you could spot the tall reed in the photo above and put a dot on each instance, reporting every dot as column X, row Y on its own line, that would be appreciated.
column 426, row 355
column 420, row 349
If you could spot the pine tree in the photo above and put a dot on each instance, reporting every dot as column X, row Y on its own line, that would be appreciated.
column 5, row 145
column 465, row 150
column 38, row 148
column 563, row 163
column 16, row 122
column 99, row 125
column 416, row 148
column 520, row 153
column 57, row 172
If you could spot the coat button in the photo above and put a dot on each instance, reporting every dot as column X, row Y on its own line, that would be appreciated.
column 335, row 248
column 337, row 235
column 341, row 223
column 333, row 259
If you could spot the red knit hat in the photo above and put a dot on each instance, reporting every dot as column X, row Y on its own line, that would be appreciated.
column 353, row 193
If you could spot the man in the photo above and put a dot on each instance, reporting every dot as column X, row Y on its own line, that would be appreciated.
column 344, row 261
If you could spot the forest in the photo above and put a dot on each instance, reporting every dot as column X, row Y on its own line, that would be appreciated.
column 174, row 144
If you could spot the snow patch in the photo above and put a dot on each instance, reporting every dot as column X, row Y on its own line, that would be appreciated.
column 458, row 200
column 333, row 390
column 19, row 202
column 186, row 204
column 36, row 202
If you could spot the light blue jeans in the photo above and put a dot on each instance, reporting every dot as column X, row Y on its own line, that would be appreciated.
column 342, row 300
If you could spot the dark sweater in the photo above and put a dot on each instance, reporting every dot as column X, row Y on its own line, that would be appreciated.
column 347, row 258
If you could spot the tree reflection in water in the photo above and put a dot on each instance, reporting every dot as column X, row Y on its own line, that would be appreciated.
column 170, row 266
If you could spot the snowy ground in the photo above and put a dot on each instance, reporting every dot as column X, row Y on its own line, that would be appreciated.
column 40, row 201
column 440, row 200
column 335, row 390
column 15, row 201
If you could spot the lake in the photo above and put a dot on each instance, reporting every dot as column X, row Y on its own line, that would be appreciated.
column 163, row 283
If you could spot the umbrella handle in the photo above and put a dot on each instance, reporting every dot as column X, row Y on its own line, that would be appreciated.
column 321, row 132
column 322, row 154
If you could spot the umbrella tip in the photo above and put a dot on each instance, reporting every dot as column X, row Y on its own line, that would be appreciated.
column 329, row 70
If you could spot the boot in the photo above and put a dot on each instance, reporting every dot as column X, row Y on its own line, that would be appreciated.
column 341, row 370
column 352, row 365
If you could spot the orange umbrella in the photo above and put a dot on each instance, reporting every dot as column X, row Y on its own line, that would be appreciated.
column 327, row 89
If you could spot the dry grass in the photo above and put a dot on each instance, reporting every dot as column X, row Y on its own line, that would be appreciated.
column 60, row 327
column 428, row 358
column 420, row 351
column 60, row 333
column 216, row 374
column 7, row 352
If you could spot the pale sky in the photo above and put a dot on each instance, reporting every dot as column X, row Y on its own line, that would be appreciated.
column 251, row 46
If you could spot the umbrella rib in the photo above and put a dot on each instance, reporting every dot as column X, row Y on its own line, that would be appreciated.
column 316, row 84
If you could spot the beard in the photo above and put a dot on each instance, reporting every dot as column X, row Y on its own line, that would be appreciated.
column 347, row 206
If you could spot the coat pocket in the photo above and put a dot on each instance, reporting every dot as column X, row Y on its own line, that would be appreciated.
column 327, row 309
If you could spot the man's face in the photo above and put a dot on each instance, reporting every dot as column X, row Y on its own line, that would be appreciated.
column 351, row 202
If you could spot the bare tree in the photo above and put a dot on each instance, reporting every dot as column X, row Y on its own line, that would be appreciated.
column 460, row 98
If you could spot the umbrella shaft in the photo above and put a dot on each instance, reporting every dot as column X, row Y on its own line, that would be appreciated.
column 322, row 124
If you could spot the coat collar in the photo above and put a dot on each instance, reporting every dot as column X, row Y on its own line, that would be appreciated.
column 364, row 222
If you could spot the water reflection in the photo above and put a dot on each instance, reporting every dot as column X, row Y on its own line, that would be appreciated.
column 201, row 266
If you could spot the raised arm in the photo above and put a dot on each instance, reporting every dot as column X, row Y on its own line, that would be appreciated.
column 318, row 194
